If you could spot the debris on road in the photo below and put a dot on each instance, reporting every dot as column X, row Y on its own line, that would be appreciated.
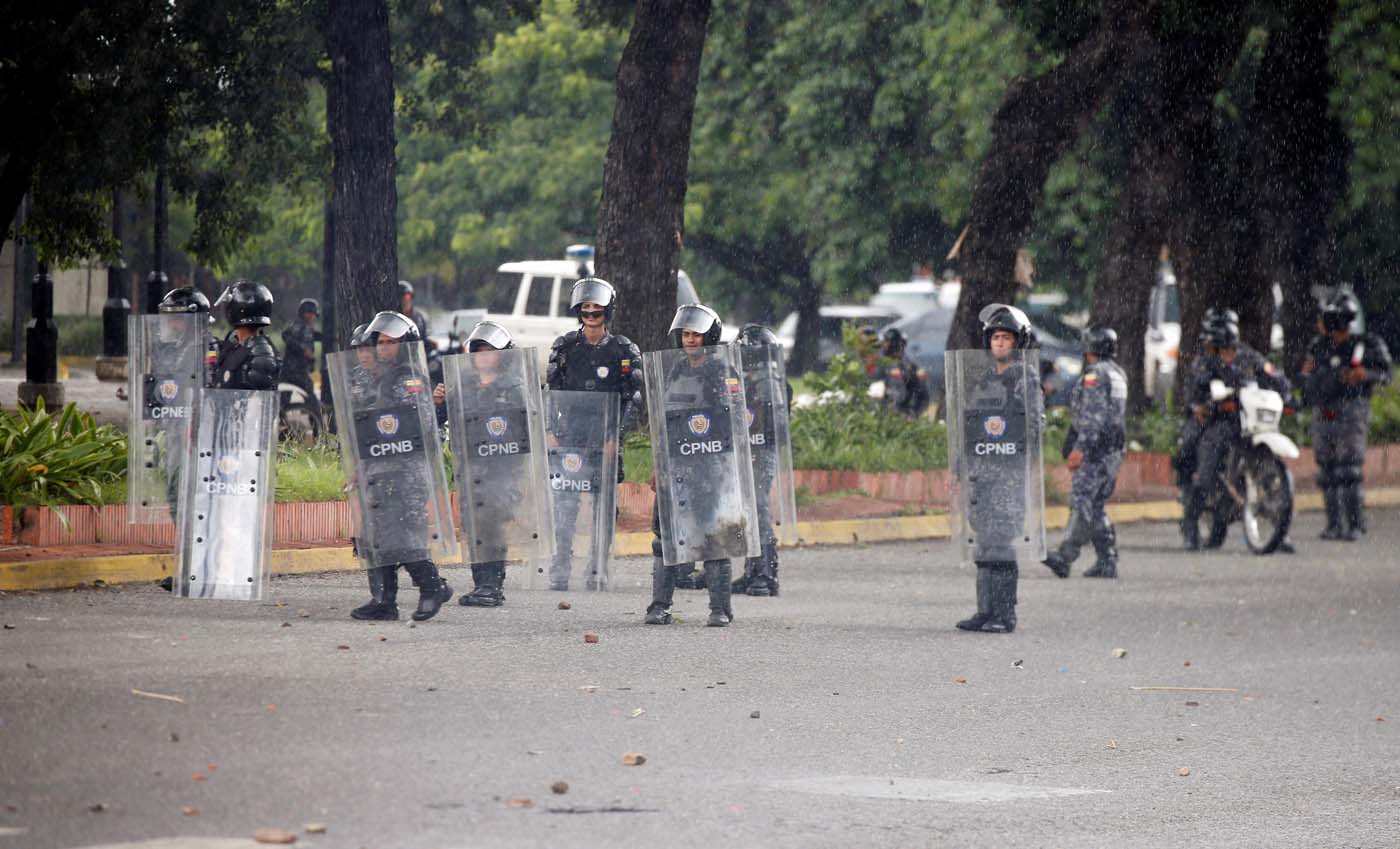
column 590, row 637
column 98, row 807
column 1120, row 653
column 1193, row 704
column 521, row 803
column 564, row 605
column 314, row 828
column 1184, row 771
column 957, row 680
column 634, row 759
column 559, row 788
column 603, row 809
column 1112, row 743
column 342, row 648
column 190, row 812
column 274, row 835
column 590, row 688
column 753, row 715
column 199, row 777
column 160, row 696
column 1016, row 664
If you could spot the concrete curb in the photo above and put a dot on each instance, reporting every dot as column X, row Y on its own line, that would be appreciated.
column 133, row 568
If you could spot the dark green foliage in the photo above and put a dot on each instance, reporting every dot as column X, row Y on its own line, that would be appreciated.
column 68, row 459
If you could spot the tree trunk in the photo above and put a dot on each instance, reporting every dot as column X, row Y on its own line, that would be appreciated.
column 1171, row 88
column 1038, row 120
column 360, row 116
column 641, row 215
column 1294, row 147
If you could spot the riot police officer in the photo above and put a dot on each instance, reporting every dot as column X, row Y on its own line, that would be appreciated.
column 1094, row 452
column 696, row 381
column 1234, row 364
column 1004, row 398
column 402, row 487
column 1184, row 461
column 591, row 359
column 761, row 573
column 188, row 299
column 1342, row 371
column 406, row 308
column 247, row 358
column 300, row 338
column 905, row 383
column 489, row 388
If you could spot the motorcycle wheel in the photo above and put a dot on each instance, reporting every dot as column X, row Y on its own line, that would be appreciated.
column 299, row 423
column 1268, row 502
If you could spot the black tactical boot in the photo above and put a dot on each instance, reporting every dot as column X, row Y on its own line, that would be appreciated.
column 765, row 580
column 1106, row 546
column 1332, row 502
column 984, row 601
column 751, row 570
column 663, row 590
column 1003, row 596
column 488, row 579
column 1353, row 506
column 1077, row 532
column 689, row 578
column 717, row 582
column 433, row 591
column 384, row 592
column 1191, row 521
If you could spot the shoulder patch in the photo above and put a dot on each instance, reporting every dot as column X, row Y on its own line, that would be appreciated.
column 1091, row 379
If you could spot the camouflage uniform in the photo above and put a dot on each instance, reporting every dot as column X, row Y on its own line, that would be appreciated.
column 300, row 340
column 1097, row 405
column 906, row 385
column 1340, row 421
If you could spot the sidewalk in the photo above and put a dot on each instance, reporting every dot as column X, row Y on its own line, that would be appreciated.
column 70, row 566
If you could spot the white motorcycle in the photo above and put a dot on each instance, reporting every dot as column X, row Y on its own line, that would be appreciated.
column 297, row 420
column 1255, row 485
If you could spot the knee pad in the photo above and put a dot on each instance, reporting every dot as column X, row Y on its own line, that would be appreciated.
column 1346, row 473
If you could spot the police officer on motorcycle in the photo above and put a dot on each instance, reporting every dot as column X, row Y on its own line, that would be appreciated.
column 592, row 359
column 1341, row 372
column 402, row 488
column 1235, row 365
column 761, row 573
column 300, row 338
column 694, row 328
column 247, row 358
column 416, row 316
column 905, row 382
column 1094, row 453
column 491, row 389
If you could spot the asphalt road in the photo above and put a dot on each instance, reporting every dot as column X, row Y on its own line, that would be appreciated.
column 847, row 712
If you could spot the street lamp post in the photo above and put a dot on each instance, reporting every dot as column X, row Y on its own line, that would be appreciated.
column 111, row 365
column 41, row 347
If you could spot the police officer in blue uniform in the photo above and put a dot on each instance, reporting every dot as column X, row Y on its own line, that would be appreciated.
column 247, row 358
column 1094, row 453
column 757, row 344
column 591, row 359
column 300, row 338
column 1342, row 371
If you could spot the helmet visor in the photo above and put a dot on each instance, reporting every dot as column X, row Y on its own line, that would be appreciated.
column 489, row 334
column 394, row 325
column 591, row 290
column 697, row 318
column 990, row 310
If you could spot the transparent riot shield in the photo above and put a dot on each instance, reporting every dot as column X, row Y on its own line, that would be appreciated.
column 581, row 432
column 498, row 455
column 704, row 474
column 770, row 443
column 225, row 529
column 997, row 478
column 389, row 446
column 164, row 378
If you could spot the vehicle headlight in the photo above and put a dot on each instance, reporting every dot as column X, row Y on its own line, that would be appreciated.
column 1068, row 365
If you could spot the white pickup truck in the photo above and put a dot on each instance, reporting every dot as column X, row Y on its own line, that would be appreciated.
column 531, row 300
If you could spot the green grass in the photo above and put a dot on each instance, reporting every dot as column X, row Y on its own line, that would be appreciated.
column 310, row 474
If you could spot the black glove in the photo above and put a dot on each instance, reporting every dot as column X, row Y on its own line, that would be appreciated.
column 1068, row 447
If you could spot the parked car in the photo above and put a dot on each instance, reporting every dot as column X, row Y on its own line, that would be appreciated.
column 833, row 316
column 1162, row 345
column 927, row 335
column 531, row 300
column 915, row 297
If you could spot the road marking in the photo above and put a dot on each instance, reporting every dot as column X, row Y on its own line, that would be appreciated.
column 928, row 789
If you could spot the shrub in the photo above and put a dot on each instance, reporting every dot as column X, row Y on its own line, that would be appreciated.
column 79, row 335
column 69, row 459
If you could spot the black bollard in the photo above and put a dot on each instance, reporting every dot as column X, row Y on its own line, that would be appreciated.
column 157, row 284
column 41, row 347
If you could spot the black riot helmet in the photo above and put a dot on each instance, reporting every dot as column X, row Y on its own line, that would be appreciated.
column 246, row 304
column 185, row 299
column 592, row 290
column 360, row 338
column 309, row 305
column 1101, row 342
column 996, row 317
column 894, row 343
column 1223, row 334
column 1339, row 312
column 489, row 334
column 696, row 318
column 1221, row 315
column 756, row 336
